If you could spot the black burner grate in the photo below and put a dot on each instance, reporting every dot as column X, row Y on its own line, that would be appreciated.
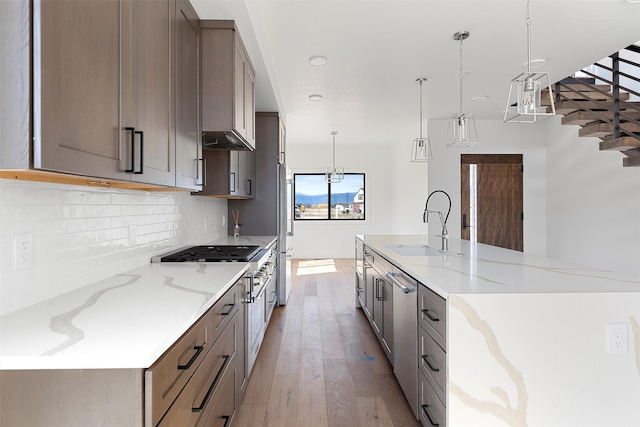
column 217, row 253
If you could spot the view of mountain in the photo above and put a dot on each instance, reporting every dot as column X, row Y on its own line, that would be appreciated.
column 342, row 198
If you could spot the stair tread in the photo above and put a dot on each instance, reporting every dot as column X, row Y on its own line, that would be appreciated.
column 600, row 129
column 584, row 117
column 584, row 96
column 620, row 144
column 582, row 87
column 566, row 107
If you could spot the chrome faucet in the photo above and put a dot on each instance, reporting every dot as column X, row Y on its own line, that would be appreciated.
column 443, row 221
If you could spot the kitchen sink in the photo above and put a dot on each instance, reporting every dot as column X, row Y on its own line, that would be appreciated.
column 415, row 250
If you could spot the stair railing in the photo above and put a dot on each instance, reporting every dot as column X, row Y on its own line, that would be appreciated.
column 619, row 107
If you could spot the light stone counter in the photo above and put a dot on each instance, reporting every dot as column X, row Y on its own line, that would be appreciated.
column 528, row 337
column 125, row 321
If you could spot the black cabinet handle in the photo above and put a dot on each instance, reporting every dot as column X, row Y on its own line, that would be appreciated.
column 249, row 187
column 232, row 182
column 431, row 366
column 226, row 419
column 198, row 349
column 141, row 133
column 213, row 385
column 135, row 132
column 133, row 148
column 231, row 307
column 425, row 408
column 464, row 222
column 200, row 171
column 430, row 316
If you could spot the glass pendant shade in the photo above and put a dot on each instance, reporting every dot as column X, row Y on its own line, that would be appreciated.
column 524, row 104
column 421, row 150
column 333, row 174
column 462, row 131
column 421, row 147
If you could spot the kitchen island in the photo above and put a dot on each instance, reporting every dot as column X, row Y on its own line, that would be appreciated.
column 121, row 350
column 529, row 341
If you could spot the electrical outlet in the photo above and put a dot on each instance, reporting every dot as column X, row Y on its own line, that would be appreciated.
column 617, row 338
column 22, row 251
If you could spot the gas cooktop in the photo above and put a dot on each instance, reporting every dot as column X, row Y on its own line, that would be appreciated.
column 211, row 253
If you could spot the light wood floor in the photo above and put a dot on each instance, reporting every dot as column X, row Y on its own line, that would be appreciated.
column 320, row 363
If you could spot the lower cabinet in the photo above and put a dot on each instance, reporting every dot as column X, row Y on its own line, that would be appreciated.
column 196, row 382
column 379, row 299
column 432, row 411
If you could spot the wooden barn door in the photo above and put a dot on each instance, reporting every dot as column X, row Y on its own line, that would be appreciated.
column 491, row 199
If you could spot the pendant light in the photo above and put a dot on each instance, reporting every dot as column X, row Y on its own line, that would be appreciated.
column 333, row 174
column 421, row 147
column 462, row 126
column 525, row 92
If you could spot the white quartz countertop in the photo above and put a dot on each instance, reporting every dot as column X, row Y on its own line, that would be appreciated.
column 125, row 321
column 471, row 268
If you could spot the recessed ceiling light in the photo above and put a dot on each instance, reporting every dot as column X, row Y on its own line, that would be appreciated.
column 479, row 98
column 318, row 61
column 633, row 1
column 536, row 63
column 315, row 97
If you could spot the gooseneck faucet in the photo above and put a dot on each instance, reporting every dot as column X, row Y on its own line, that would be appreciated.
column 425, row 219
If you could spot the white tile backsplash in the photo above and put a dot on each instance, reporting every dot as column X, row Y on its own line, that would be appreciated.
column 84, row 234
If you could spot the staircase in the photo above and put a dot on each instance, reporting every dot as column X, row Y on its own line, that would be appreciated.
column 603, row 109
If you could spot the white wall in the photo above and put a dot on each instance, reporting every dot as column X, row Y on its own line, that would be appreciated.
column 85, row 234
column 593, row 204
column 496, row 137
column 395, row 195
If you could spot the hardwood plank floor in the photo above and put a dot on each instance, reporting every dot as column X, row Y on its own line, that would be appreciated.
column 320, row 364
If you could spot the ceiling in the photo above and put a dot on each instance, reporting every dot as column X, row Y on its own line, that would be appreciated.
column 376, row 49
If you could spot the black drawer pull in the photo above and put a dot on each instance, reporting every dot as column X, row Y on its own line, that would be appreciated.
column 430, row 316
column 231, row 307
column 198, row 349
column 215, row 382
column 226, row 419
column 425, row 408
column 431, row 366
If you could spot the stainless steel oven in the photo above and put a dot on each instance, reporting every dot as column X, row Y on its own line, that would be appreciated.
column 261, row 299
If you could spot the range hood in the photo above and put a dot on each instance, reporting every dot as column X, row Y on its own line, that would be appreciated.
column 223, row 140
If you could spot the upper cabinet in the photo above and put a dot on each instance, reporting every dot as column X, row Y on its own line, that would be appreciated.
column 106, row 99
column 189, row 167
column 228, row 94
column 229, row 174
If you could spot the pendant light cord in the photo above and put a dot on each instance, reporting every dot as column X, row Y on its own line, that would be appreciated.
column 528, row 40
column 420, row 81
column 461, row 73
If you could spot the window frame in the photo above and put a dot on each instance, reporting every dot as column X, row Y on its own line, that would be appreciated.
column 328, row 217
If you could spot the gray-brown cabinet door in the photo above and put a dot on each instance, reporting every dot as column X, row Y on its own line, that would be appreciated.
column 77, row 87
column 147, row 94
column 189, row 168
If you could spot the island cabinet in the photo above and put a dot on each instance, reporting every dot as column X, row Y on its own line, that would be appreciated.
column 228, row 88
column 105, row 92
column 197, row 381
column 432, row 359
column 381, row 309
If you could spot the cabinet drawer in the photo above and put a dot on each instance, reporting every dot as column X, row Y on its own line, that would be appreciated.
column 433, row 314
column 433, row 362
column 380, row 263
column 432, row 411
column 207, row 383
column 223, row 405
column 223, row 311
column 165, row 379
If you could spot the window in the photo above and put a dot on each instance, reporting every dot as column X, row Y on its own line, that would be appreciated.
column 315, row 199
